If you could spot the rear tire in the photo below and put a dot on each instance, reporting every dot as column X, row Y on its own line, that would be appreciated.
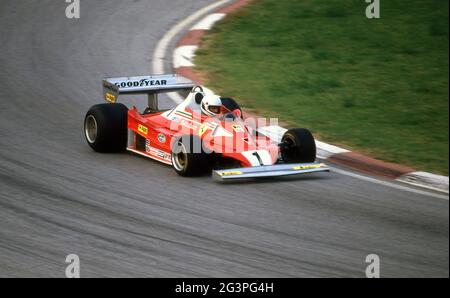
column 188, row 157
column 105, row 127
column 298, row 145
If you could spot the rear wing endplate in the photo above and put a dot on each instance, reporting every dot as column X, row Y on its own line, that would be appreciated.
column 151, row 85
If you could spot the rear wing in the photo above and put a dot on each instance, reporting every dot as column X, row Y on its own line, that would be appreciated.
column 151, row 85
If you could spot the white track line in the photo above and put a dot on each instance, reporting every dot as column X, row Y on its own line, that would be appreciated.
column 389, row 184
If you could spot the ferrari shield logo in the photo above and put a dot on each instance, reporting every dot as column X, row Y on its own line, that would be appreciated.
column 202, row 129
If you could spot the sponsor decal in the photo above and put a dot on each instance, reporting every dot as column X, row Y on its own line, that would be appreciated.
column 184, row 114
column 143, row 129
column 158, row 153
column 141, row 83
column 237, row 128
column 110, row 97
column 308, row 167
column 161, row 138
column 230, row 173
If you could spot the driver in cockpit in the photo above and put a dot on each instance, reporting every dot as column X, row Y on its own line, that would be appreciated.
column 211, row 106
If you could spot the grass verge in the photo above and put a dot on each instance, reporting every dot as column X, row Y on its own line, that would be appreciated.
column 377, row 86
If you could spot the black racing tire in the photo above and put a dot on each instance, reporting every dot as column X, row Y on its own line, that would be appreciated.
column 105, row 127
column 298, row 145
column 231, row 104
column 188, row 156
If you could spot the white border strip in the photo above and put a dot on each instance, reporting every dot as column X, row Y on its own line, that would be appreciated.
column 183, row 56
column 208, row 22
column 390, row 184
column 427, row 180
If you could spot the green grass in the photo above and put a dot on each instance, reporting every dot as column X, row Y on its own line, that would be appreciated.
column 377, row 86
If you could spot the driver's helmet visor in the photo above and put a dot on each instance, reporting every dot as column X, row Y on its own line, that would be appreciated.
column 215, row 109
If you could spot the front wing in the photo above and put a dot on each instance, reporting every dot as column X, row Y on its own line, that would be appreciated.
column 270, row 171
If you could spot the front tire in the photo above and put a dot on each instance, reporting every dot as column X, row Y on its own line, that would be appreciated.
column 188, row 157
column 298, row 145
column 105, row 127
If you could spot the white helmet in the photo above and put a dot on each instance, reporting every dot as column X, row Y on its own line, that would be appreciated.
column 211, row 105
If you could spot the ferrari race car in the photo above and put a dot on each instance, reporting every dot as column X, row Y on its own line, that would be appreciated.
column 190, row 140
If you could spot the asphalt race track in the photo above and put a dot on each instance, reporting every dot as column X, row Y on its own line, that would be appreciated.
column 126, row 216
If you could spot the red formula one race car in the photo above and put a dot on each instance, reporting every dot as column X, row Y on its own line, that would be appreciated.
column 204, row 132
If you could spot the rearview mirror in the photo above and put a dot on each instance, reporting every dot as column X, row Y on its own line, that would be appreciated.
column 237, row 113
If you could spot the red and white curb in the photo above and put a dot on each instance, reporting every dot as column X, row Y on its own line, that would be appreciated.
column 183, row 63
